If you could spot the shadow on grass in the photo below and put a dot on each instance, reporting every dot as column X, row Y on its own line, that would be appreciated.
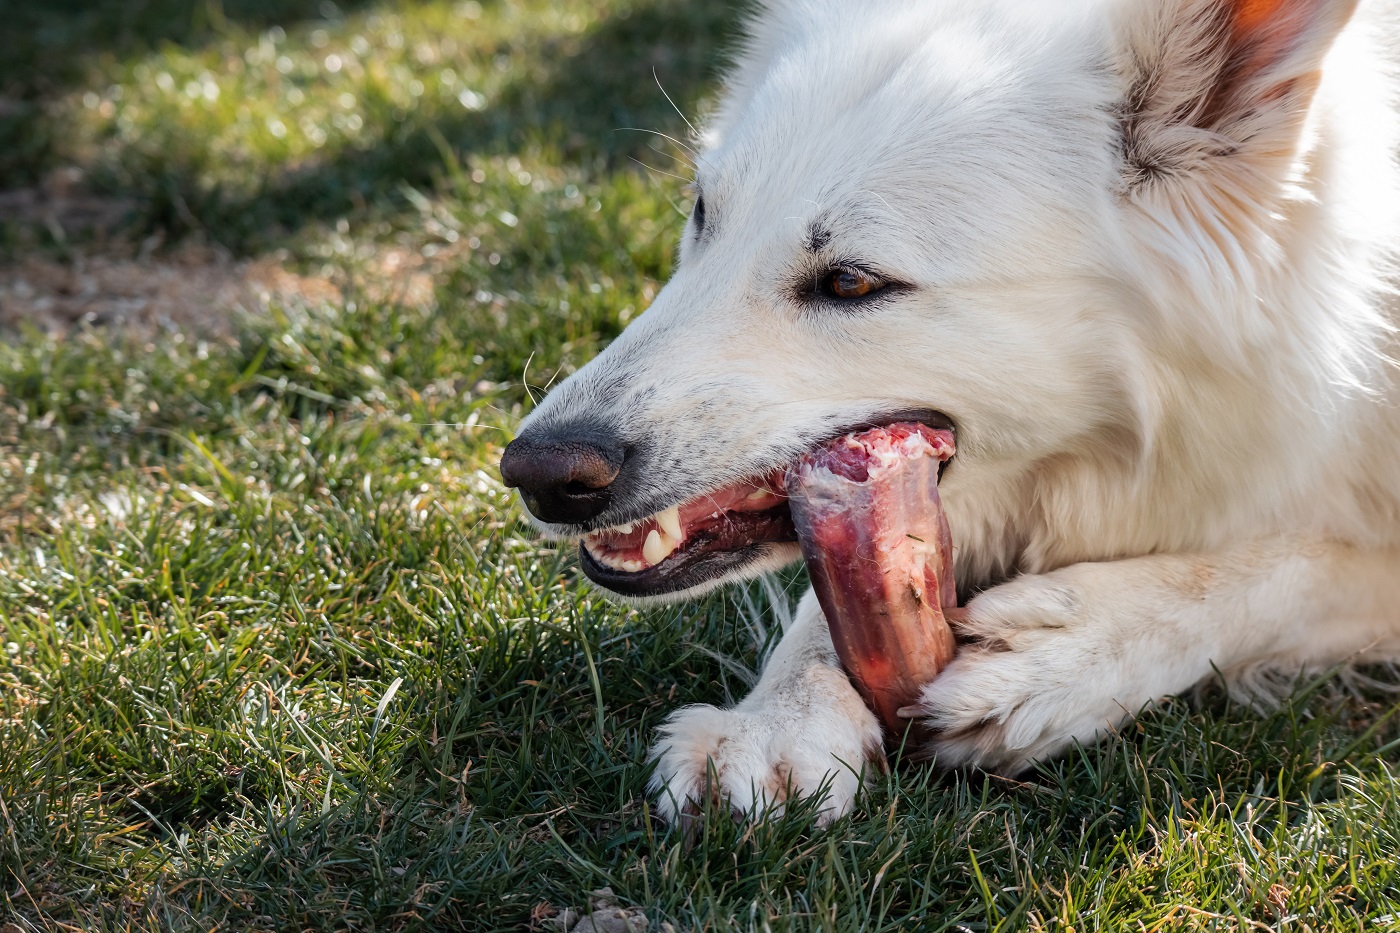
column 592, row 100
column 1103, row 811
column 39, row 39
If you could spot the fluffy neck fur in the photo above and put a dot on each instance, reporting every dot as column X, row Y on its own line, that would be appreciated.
column 1261, row 390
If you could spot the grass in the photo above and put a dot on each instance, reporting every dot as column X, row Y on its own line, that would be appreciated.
column 278, row 652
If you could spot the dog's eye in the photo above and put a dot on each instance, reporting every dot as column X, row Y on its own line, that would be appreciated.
column 699, row 213
column 847, row 282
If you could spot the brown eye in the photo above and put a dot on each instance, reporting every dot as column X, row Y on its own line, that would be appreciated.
column 849, row 282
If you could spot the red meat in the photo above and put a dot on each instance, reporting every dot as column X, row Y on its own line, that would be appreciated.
column 880, row 554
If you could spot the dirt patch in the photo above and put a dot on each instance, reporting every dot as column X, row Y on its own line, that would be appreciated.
column 198, row 287
column 195, row 286
column 106, row 280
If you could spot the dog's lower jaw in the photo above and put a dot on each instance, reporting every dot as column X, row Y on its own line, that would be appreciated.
column 769, row 559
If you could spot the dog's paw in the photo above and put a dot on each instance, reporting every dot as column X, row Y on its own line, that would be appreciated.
column 1049, row 660
column 803, row 739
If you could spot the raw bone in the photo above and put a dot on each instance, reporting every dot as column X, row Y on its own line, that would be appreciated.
column 880, row 554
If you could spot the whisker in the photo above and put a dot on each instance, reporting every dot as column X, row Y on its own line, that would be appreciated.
column 557, row 371
column 671, row 155
column 675, row 205
column 643, row 129
column 657, row 78
column 458, row 424
column 888, row 207
column 658, row 170
column 525, row 379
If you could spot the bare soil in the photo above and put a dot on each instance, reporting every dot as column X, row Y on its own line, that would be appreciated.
column 105, row 279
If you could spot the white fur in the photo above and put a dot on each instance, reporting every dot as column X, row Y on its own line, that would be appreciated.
column 1160, row 318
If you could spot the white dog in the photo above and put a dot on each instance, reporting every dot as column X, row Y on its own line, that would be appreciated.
column 1137, row 253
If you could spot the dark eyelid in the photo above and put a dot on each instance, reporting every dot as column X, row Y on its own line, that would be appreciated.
column 808, row 287
column 829, row 279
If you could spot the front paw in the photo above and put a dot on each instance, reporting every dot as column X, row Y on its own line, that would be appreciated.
column 1048, row 660
column 815, row 739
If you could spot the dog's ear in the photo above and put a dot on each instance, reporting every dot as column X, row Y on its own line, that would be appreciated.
column 1217, row 91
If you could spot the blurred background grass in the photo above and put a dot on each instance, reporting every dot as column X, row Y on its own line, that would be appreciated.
column 278, row 652
column 249, row 120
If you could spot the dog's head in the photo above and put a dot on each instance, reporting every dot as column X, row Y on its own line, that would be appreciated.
column 999, row 216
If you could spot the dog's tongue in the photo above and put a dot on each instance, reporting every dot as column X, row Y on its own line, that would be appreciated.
column 877, row 544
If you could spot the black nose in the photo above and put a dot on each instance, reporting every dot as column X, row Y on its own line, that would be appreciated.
column 564, row 479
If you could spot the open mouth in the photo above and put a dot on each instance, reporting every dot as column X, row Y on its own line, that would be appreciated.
column 694, row 542
column 708, row 537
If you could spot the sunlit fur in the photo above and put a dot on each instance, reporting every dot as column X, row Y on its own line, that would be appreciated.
column 1150, row 270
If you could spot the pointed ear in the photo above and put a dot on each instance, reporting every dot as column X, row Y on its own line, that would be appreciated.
column 1220, row 86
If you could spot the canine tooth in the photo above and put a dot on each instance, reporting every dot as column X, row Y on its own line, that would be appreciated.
column 625, row 529
column 670, row 522
column 656, row 549
column 758, row 494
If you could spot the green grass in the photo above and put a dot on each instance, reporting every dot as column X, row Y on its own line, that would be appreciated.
column 278, row 652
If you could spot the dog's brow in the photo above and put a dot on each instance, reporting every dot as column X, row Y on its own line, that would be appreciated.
column 817, row 237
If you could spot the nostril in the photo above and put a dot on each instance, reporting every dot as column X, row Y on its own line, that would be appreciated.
column 590, row 468
column 563, row 479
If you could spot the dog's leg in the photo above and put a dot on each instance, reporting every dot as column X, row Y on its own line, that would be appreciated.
column 802, row 730
column 1068, row 655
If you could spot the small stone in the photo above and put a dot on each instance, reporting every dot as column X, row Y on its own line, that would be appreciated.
column 603, row 897
column 611, row 920
column 564, row 921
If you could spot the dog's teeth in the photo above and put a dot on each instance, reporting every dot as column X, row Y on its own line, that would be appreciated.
column 633, row 566
column 758, row 494
column 670, row 522
column 658, row 547
column 625, row 529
